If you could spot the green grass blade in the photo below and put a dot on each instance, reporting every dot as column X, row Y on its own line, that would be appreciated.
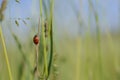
column 5, row 54
column 51, row 35
column 44, row 42
column 78, row 58
column 98, row 32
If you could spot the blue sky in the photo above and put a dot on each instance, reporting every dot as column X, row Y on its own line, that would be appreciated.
column 65, row 15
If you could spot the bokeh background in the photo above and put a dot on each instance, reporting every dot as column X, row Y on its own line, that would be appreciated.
column 86, row 38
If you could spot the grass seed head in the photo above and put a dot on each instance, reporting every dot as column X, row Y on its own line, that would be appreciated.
column 1, row 16
column 46, row 28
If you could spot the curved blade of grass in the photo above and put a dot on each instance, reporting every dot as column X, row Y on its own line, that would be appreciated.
column 22, row 52
column 51, row 35
column 44, row 43
column 5, row 54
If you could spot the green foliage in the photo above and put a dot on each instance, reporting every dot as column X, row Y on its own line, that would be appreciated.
column 85, row 57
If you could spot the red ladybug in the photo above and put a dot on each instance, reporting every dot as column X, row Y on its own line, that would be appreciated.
column 36, row 39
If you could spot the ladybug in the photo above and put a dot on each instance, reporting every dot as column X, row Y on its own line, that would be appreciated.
column 36, row 39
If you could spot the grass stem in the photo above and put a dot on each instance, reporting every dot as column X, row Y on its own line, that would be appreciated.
column 51, row 34
column 44, row 42
column 78, row 58
column 5, row 54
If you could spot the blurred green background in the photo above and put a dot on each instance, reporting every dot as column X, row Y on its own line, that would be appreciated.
column 86, row 39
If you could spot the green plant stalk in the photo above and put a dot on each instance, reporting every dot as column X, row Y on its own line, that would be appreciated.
column 99, row 45
column 51, row 35
column 44, row 42
column 88, row 40
column 87, row 44
column 98, row 39
column 5, row 54
column 78, row 58
column 112, row 45
column 99, row 52
column 113, row 50
column 45, row 10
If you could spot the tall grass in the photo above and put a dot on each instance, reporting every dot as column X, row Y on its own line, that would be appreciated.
column 47, row 63
column 51, row 34
column 78, row 58
column 98, row 39
column 6, row 54
column 44, row 42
